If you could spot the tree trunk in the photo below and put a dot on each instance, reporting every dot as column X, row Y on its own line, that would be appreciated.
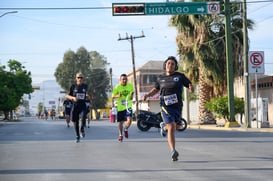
column 205, row 116
column 11, row 115
column 6, row 115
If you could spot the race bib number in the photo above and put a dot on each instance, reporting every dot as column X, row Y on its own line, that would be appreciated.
column 123, row 102
column 80, row 96
column 170, row 99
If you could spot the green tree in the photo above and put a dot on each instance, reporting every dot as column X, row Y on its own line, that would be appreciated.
column 201, row 46
column 98, row 81
column 14, row 83
column 40, row 108
column 93, row 66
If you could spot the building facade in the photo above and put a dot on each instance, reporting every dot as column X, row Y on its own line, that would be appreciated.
column 264, row 91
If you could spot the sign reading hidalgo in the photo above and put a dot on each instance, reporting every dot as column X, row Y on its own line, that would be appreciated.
column 172, row 8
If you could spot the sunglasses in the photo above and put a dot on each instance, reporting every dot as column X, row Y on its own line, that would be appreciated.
column 79, row 77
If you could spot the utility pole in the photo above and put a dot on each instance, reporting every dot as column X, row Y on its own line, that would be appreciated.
column 131, row 39
column 230, row 79
column 111, row 84
column 246, row 74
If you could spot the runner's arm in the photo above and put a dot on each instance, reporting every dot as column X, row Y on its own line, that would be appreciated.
column 152, row 92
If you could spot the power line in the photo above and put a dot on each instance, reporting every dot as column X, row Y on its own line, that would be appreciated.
column 60, row 8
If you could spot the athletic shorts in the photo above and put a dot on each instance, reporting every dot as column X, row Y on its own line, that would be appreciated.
column 170, row 114
column 122, row 115
column 67, row 112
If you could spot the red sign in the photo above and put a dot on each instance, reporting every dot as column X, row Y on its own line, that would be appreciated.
column 213, row 7
column 256, row 58
column 256, row 62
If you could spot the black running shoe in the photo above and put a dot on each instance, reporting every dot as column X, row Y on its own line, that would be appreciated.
column 82, row 133
column 175, row 155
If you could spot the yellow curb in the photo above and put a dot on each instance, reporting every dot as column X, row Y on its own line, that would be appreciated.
column 233, row 124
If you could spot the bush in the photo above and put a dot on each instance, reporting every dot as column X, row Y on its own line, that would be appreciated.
column 219, row 107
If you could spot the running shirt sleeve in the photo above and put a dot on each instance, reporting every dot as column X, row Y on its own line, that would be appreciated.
column 186, row 81
column 157, row 84
column 115, row 91
column 71, row 90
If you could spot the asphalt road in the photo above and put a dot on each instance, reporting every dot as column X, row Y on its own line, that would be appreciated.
column 46, row 151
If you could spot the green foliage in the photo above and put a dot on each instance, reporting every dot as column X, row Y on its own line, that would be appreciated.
column 99, row 83
column 14, row 83
column 219, row 106
column 93, row 66
column 40, row 107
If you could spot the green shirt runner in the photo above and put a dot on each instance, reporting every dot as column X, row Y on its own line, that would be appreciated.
column 124, row 102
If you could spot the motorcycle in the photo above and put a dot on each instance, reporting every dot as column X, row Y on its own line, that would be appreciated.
column 147, row 120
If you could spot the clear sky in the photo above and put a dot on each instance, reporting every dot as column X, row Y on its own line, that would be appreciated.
column 39, row 38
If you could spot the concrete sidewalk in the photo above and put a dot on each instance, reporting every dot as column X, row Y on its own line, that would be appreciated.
column 223, row 128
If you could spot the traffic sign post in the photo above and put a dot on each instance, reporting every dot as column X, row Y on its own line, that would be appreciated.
column 256, row 62
column 256, row 66
column 168, row 8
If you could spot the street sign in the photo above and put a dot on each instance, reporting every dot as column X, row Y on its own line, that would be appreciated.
column 36, row 87
column 256, row 62
column 172, row 8
column 167, row 8
column 51, row 102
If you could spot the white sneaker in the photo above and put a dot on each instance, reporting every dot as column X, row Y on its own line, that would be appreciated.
column 162, row 131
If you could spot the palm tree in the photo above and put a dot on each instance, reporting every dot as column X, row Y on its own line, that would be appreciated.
column 202, row 50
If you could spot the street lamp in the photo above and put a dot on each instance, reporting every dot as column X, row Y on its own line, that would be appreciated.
column 10, row 12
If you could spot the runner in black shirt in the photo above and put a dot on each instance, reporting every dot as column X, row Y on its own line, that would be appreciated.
column 86, row 113
column 67, row 111
column 78, row 94
column 170, row 85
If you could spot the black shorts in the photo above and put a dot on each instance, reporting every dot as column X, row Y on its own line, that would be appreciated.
column 68, row 112
column 122, row 115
